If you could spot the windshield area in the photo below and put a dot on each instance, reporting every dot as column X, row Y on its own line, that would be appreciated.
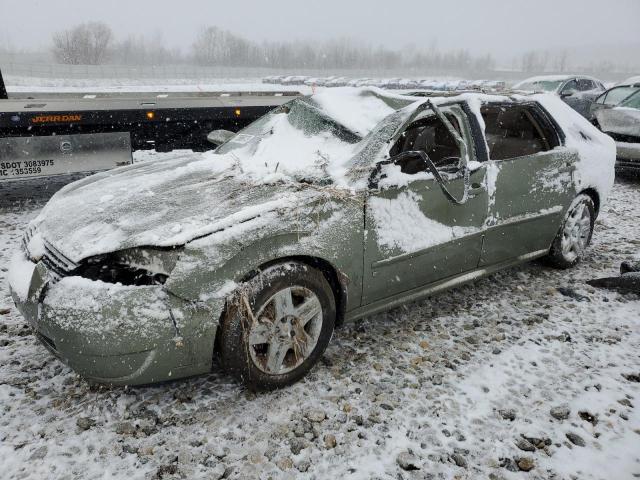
column 633, row 101
column 541, row 85
column 618, row 94
column 302, row 114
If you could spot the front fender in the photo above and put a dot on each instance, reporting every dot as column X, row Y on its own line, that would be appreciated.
column 210, row 268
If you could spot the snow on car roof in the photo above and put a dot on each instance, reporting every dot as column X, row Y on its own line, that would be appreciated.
column 630, row 81
column 360, row 110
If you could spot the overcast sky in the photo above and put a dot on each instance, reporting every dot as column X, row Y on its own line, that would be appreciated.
column 502, row 27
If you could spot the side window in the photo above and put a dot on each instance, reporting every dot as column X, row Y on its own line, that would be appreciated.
column 431, row 136
column 572, row 86
column 515, row 131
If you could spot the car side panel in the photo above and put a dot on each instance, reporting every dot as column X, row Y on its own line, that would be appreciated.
column 528, row 199
column 211, row 269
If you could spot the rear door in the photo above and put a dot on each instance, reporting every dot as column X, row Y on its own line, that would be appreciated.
column 530, row 184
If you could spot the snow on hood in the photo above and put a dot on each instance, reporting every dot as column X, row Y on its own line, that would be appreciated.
column 621, row 120
column 164, row 203
column 597, row 151
column 173, row 201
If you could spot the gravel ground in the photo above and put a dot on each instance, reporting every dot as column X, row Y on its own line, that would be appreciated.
column 528, row 374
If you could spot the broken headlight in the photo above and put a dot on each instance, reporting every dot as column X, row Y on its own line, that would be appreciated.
column 136, row 266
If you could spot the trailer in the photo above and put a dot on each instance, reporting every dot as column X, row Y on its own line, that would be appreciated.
column 160, row 121
column 53, row 127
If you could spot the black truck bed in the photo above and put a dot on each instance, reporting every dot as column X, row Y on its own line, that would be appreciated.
column 156, row 120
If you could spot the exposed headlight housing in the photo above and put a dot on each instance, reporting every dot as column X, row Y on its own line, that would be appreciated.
column 133, row 267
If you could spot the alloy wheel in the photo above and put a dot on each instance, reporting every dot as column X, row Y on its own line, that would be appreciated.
column 285, row 330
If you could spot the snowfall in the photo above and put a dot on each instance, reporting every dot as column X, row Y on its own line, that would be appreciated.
column 527, row 374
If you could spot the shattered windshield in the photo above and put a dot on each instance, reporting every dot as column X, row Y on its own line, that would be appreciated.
column 302, row 114
column 373, row 144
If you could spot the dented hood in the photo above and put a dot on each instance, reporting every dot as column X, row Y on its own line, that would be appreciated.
column 161, row 203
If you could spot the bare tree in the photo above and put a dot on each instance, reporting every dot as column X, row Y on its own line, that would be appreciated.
column 84, row 44
column 214, row 46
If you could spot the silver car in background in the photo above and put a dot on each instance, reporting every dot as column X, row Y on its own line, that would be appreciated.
column 613, row 97
column 577, row 91
column 617, row 113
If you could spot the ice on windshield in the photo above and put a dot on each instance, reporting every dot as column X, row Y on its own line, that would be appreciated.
column 309, row 138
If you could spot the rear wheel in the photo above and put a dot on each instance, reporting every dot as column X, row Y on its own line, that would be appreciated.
column 277, row 326
column 574, row 236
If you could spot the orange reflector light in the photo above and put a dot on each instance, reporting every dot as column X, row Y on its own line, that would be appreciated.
column 151, row 115
column 237, row 112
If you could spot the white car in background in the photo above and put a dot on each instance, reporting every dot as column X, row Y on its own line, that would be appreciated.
column 617, row 113
column 577, row 91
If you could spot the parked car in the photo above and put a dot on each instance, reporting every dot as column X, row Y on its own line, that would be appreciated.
column 621, row 121
column 613, row 97
column 294, row 80
column 337, row 82
column 330, row 208
column 495, row 85
column 579, row 92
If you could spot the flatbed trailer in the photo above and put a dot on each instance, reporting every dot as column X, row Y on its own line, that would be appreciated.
column 163, row 121
column 55, row 133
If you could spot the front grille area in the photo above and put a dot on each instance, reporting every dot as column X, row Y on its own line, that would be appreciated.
column 26, row 238
column 58, row 265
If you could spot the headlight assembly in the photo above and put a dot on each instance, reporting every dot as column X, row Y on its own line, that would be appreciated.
column 136, row 266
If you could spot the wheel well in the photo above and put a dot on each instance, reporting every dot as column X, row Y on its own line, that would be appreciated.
column 595, row 197
column 336, row 279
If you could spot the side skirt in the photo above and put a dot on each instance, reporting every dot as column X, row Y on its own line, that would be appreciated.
column 447, row 283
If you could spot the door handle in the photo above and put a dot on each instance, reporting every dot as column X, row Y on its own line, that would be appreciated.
column 477, row 189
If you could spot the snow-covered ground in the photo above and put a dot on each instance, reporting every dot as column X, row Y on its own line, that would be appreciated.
column 529, row 369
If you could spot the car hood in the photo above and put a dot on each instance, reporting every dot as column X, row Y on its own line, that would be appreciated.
column 621, row 120
column 160, row 203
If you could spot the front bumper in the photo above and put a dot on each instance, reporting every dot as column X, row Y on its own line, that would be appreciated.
column 111, row 333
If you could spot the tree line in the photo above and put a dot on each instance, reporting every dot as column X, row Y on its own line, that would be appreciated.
column 94, row 43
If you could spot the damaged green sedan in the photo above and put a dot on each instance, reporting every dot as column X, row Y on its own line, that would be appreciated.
column 330, row 208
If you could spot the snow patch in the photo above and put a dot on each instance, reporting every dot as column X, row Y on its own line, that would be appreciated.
column 400, row 224
column 20, row 274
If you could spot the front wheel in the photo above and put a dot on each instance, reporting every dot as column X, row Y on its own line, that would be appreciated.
column 277, row 326
column 574, row 236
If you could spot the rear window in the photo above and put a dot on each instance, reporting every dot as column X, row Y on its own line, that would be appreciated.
column 514, row 131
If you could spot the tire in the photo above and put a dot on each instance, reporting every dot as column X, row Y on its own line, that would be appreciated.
column 568, row 248
column 260, row 333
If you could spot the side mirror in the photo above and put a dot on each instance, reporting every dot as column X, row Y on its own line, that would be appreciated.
column 567, row 93
column 218, row 137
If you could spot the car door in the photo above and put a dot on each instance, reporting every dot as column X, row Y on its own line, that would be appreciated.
column 571, row 95
column 588, row 91
column 530, row 182
column 415, row 235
